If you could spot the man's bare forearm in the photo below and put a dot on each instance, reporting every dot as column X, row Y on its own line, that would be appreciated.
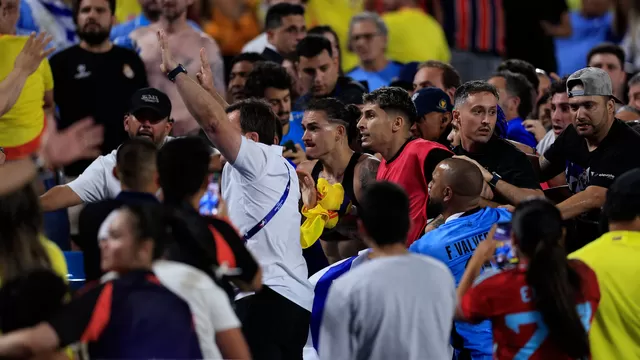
column 15, row 174
column 593, row 197
column 206, row 110
column 11, row 88
column 514, row 194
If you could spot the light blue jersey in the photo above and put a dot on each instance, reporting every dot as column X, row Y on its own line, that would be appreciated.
column 453, row 243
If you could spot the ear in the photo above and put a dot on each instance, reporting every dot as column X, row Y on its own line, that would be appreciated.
column 146, row 249
column 611, row 106
column 451, row 92
column 126, row 122
column 456, row 117
column 115, row 172
column 447, row 194
column 168, row 127
column 270, row 34
column 516, row 102
column 252, row 136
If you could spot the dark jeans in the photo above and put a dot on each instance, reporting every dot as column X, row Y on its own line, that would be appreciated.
column 275, row 327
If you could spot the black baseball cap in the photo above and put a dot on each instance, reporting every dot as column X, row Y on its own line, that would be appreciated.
column 430, row 99
column 151, row 99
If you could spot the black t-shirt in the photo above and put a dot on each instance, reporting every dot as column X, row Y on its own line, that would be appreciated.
column 347, row 90
column 616, row 154
column 525, row 38
column 99, row 85
column 506, row 160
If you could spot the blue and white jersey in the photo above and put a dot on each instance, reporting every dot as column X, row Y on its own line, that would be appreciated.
column 53, row 16
column 321, row 281
column 453, row 243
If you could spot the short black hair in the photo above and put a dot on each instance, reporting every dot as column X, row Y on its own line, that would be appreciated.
column 394, row 99
column 472, row 87
column 77, row 3
column 385, row 213
column 183, row 167
column 623, row 198
column 279, row 11
column 518, row 85
column 321, row 30
column 250, row 57
column 450, row 76
column 136, row 163
column 558, row 87
column 313, row 45
column 266, row 75
column 607, row 48
column 522, row 67
column 256, row 116
column 338, row 112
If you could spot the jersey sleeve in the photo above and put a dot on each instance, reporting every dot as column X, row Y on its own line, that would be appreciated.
column 230, row 249
column 76, row 320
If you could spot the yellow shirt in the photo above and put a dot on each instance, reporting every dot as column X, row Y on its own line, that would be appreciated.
column 615, row 258
column 415, row 36
column 25, row 120
column 337, row 14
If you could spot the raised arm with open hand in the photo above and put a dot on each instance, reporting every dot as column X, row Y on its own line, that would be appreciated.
column 208, row 112
column 26, row 63
column 205, row 78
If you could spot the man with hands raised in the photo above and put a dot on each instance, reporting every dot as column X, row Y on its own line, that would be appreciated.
column 262, row 192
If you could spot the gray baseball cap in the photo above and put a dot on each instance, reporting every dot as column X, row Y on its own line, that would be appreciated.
column 595, row 82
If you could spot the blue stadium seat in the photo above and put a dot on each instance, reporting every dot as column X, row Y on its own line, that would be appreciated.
column 75, row 265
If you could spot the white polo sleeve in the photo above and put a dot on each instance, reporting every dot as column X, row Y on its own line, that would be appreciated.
column 251, row 161
column 91, row 185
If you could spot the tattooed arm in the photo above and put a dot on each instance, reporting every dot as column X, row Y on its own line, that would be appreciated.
column 365, row 174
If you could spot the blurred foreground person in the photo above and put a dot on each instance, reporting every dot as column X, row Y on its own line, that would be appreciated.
column 614, row 258
column 131, row 317
column 387, row 308
column 543, row 307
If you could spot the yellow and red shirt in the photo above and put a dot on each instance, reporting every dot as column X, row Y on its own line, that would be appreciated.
column 24, row 122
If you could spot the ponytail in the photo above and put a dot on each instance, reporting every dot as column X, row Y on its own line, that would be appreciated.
column 537, row 226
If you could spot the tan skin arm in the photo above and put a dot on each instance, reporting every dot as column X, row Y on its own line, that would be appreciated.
column 593, row 197
column 59, row 197
column 29, row 342
column 232, row 344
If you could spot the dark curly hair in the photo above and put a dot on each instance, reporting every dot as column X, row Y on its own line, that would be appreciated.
column 394, row 99
column 266, row 74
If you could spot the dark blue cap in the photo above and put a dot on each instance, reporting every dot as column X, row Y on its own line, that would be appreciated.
column 431, row 99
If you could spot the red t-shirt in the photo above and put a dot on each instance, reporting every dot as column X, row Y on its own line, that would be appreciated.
column 506, row 300
column 411, row 169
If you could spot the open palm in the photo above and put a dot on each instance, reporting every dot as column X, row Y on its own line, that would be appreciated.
column 81, row 140
column 308, row 189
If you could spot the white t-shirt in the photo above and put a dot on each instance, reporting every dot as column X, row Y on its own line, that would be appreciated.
column 209, row 304
column 97, row 182
column 257, row 45
column 251, row 187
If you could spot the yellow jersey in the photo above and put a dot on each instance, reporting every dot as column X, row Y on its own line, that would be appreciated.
column 25, row 120
column 337, row 14
column 615, row 258
column 415, row 36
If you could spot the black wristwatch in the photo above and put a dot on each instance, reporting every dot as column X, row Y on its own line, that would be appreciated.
column 494, row 180
column 173, row 73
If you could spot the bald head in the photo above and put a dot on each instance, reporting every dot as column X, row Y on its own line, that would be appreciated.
column 463, row 177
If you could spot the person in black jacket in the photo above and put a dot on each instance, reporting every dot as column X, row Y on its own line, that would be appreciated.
column 319, row 71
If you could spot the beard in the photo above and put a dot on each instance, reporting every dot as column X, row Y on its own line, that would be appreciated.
column 93, row 37
column 434, row 207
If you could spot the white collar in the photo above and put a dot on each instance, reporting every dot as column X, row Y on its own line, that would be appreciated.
column 453, row 217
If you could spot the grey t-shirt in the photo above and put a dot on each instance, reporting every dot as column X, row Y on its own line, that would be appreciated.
column 398, row 307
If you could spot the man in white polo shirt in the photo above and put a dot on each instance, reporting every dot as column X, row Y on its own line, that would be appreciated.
column 261, row 191
column 149, row 117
